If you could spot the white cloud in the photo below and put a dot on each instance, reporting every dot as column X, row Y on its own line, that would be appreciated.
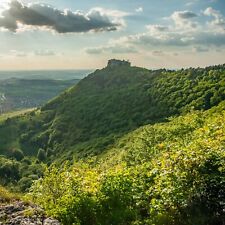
column 41, row 15
column 191, row 3
column 155, row 29
column 182, row 35
column 44, row 53
column 16, row 53
column 184, row 19
column 219, row 19
column 112, row 49
column 139, row 9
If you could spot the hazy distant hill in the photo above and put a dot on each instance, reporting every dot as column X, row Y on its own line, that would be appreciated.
column 23, row 93
column 45, row 74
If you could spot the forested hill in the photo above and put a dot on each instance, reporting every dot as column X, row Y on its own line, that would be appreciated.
column 110, row 102
column 114, row 101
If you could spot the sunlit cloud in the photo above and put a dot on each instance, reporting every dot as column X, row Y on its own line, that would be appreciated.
column 198, row 37
column 40, row 15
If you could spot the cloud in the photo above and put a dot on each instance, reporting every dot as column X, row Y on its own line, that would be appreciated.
column 155, row 28
column 183, row 15
column 200, row 38
column 191, row 3
column 39, row 15
column 158, row 53
column 184, row 19
column 16, row 53
column 44, row 53
column 113, row 49
column 139, row 9
column 219, row 19
column 179, row 35
column 170, row 39
column 176, row 38
column 200, row 49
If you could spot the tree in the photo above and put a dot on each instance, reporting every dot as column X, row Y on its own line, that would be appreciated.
column 41, row 155
column 17, row 154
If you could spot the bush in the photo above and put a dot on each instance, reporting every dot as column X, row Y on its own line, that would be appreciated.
column 17, row 154
column 41, row 155
column 25, row 183
column 171, row 173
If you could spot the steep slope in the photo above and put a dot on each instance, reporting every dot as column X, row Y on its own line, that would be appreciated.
column 111, row 102
column 90, row 117
column 166, row 173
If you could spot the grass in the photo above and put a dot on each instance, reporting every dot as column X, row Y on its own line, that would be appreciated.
column 7, row 196
column 8, row 115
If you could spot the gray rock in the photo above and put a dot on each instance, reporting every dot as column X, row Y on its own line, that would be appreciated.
column 50, row 221
column 20, row 213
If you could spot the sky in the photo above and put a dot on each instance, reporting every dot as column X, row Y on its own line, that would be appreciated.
column 72, row 34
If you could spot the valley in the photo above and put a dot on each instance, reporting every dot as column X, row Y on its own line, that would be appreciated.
column 17, row 94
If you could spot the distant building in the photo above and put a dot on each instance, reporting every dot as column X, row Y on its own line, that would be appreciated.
column 115, row 63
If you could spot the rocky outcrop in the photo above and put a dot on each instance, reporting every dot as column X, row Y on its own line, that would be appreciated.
column 112, row 63
column 21, row 213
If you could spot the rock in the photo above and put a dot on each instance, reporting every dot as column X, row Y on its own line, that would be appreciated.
column 21, row 213
column 50, row 221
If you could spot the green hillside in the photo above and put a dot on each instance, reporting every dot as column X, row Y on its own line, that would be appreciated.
column 143, row 154
column 111, row 102
column 162, row 174
column 88, row 118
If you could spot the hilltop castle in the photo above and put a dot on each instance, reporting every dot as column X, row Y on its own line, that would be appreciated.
column 115, row 63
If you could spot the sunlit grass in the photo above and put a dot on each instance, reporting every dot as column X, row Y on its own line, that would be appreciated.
column 8, row 115
column 6, row 196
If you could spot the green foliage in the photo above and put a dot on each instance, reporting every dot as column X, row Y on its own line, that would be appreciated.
column 17, row 154
column 19, row 175
column 89, row 118
column 25, row 183
column 168, row 173
column 41, row 155
column 7, row 196
column 9, row 170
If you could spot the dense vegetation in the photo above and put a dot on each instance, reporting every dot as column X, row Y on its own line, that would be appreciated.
column 111, row 102
column 29, row 93
column 168, row 173
column 134, row 163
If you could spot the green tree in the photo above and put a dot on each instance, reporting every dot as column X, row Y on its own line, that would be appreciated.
column 41, row 155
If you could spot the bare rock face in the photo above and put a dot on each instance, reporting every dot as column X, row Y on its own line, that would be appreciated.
column 21, row 213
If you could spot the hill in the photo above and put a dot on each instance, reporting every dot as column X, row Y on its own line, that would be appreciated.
column 16, row 94
column 110, row 102
column 89, row 118
column 167, row 173
column 143, row 154
column 44, row 74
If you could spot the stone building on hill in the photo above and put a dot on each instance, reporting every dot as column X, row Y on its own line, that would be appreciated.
column 115, row 63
